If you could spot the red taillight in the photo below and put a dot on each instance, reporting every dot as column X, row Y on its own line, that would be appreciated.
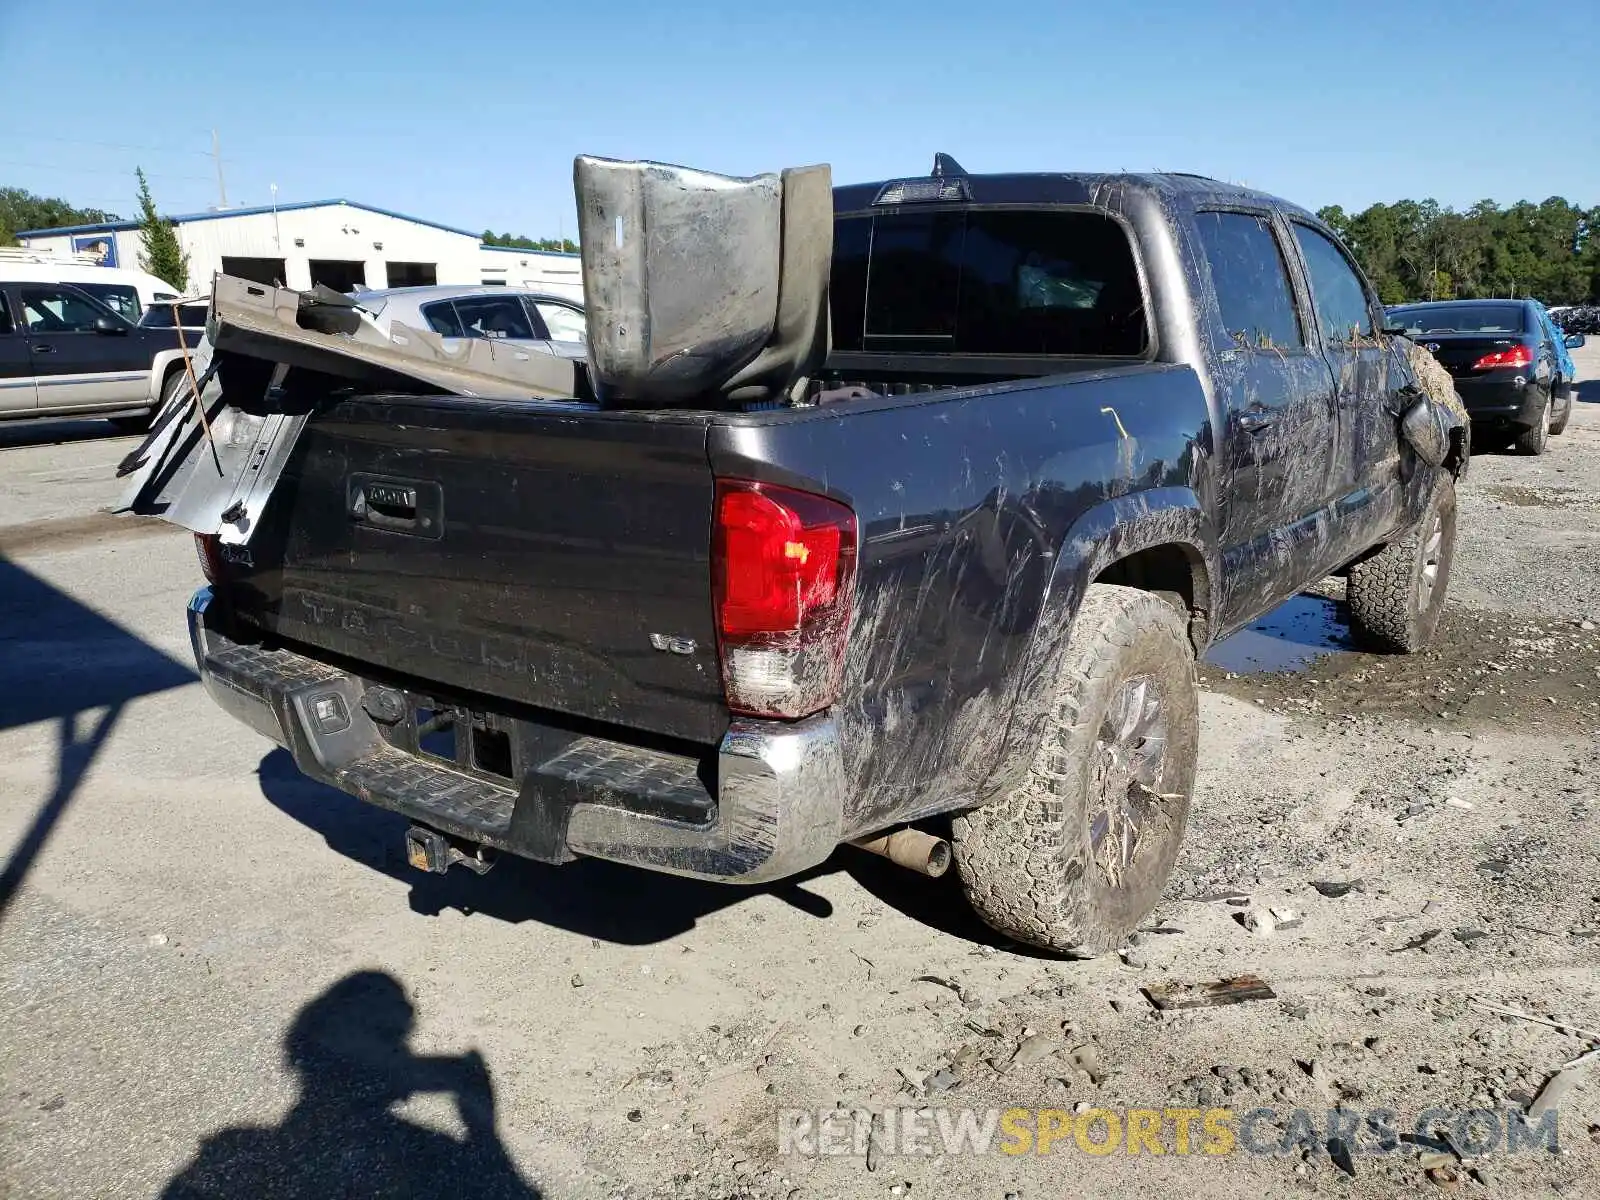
column 783, row 569
column 209, row 548
column 1517, row 356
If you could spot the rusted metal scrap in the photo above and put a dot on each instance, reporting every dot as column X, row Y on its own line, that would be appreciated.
column 1213, row 994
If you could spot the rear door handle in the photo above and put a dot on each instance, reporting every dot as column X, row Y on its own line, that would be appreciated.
column 1254, row 420
column 43, row 349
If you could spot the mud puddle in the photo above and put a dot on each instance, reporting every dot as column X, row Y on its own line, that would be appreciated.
column 1482, row 667
column 1545, row 497
column 1292, row 637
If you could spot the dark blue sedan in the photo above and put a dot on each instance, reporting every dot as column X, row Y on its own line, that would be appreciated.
column 1505, row 362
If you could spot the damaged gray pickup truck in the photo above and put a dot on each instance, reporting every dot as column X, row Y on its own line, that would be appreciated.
column 901, row 502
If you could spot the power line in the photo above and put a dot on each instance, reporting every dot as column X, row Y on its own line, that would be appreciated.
column 40, row 137
column 27, row 166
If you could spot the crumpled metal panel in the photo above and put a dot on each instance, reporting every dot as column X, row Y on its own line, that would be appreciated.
column 266, row 323
column 697, row 284
column 193, row 472
column 680, row 274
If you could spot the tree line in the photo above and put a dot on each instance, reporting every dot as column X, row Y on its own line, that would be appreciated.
column 20, row 209
column 1411, row 250
column 1418, row 250
column 518, row 242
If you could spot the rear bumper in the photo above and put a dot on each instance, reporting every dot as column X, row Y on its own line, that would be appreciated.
column 767, row 804
column 1498, row 397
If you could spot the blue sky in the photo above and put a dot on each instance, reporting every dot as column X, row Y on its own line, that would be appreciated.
column 470, row 112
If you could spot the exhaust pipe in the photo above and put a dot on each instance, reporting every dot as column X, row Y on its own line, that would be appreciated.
column 912, row 849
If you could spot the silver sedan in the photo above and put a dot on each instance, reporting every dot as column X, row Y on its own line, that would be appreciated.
column 535, row 320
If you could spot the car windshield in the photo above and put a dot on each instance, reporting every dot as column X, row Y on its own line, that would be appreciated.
column 565, row 324
column 1460, row 318
column 119, row 297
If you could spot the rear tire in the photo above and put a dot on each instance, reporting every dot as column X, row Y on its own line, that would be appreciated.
column 1560, row 407
column 1076, row 856
column 1396, row 596
column 1536, row 438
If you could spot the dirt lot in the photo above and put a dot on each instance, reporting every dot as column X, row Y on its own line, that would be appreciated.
column 212, row 971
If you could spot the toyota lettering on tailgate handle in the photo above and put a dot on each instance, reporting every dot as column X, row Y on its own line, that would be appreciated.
column 396, row 505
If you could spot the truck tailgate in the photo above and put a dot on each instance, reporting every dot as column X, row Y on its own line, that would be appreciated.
column 540, row 553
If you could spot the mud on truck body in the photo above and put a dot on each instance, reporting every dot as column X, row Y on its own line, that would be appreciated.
column 873, row 505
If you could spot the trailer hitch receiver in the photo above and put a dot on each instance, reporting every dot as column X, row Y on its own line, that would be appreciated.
column 430, row 850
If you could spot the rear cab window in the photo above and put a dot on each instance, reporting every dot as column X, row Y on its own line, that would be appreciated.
column 993, row 282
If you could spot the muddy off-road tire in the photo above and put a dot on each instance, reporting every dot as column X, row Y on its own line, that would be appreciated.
column 1534, row 439
column 1078, row 854
column 1560, row 408
column 1397, row 595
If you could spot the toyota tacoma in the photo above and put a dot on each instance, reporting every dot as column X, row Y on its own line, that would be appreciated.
column 872, row 505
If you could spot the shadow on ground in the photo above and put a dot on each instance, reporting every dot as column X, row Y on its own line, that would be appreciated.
column 593, row 898
column 62, row 662
column 56, row 433
column 350, row 1049
column 597, row 899
column 1588, row 391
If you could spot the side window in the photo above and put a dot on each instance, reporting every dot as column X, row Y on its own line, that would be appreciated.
column 441, row 318
column 5, row 315
column 1341, row 301
column 565, row 324
column 1251, row 280
column 56, row 310
column 493, row 317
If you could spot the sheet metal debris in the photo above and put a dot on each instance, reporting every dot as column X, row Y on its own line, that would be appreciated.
column 234, row 408
column 1559, row 1085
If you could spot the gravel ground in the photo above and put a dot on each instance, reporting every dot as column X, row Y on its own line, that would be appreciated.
column 218, row 979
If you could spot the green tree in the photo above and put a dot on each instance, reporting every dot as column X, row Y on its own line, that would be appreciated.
column 1391, row 291
column 21, row 209
column 162, row 256
column 1336, row 219
column 1419, row 250
column 519, row 242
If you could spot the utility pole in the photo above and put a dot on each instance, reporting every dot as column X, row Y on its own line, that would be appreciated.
column 216, row 154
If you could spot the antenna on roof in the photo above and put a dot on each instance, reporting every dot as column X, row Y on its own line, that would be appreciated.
column 945, row 167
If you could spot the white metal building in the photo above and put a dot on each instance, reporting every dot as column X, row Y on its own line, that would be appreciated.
column 336, row 242
column 547, row 270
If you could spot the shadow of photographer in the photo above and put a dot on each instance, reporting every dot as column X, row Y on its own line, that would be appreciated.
column 349, row 1048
